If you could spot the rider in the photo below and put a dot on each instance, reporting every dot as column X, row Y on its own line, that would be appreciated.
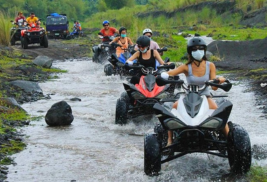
column 33, row 19
column 145, row 56
column 197, row 70
column 123, row 41
column 107, row 31
column 20, row 18
column 153, row 45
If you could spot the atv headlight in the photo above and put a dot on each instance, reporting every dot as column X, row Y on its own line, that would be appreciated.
column 174, row 123
column 28, row 34
column 41, row 33
column 212, row 123
column 137, row 95
column 162, row 95
column 48, row 31
column 106, row 48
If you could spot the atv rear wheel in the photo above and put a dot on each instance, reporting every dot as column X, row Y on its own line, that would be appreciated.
column 108, row 69
column 45, row 41
column 24, row 43
column 121, row 111
column 239, row 149
column 152, row 156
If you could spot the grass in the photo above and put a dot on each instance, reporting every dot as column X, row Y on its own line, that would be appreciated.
column 5, row 26
column 257, row 174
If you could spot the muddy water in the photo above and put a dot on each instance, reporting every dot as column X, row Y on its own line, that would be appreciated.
column 93, row 148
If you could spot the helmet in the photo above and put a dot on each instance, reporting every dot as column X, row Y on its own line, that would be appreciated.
column 143, row 41
column 105, row 22
column 195, row 41
column 121, row 29
column 147, row 30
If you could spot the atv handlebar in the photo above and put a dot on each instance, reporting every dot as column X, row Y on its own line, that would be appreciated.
column 226, row 86
column 163, row 49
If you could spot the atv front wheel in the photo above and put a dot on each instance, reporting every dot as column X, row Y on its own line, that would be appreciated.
column 121, row 112
column 24, row 43
column 239, row 149
column 95, row 58
column 152, row 156
column 108, row 69
column 45, row 41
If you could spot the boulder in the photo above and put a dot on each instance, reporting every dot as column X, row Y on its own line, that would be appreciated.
column 11, row 103
column 59, row 114
column 43, row 61
column 27, row 86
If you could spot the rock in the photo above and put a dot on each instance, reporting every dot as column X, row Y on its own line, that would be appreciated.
column 208, row 55
column 43, row 61
column 76, row 99
column 59, row 114
column 10, row 102
column 28, row 86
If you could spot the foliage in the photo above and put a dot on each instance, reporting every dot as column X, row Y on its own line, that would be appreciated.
column 257, row 174
column 118, row 4
column 5, row 26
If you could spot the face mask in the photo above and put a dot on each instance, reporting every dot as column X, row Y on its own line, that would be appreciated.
column 144, row 51
column 198, row 55
column 123, row 35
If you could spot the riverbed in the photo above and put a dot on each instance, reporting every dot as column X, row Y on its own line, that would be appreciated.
column 93, row 148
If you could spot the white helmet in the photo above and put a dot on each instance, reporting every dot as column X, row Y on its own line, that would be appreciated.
column 147, row 30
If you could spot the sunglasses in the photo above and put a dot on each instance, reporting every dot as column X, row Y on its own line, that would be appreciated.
column 139, row 46
column 105, row 25
column 198, row 48
column 148, row 36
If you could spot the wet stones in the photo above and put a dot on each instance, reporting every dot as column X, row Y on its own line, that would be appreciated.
column 43, row 61
column 59, row 114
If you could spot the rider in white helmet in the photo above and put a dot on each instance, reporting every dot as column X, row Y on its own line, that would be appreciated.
column 153, row 45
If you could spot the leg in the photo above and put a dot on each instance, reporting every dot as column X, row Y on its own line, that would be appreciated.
column 175, row 105
column 213, row 105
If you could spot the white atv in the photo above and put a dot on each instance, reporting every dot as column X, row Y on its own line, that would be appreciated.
column 196, row 128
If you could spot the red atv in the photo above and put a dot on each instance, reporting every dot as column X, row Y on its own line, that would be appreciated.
column 33, row 34
column 139, row 98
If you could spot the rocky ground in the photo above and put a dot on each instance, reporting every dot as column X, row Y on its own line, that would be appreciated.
column 246, row 60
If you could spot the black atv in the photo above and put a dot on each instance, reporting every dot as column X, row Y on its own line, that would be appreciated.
column 117, row 64
column 138, row 99
column 15, row 32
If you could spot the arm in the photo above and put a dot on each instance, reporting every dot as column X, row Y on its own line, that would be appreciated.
column 114, row 40
column 133, row 57
column 157, row 56
column 130, row 41
column 213, row 75
column 181, row 69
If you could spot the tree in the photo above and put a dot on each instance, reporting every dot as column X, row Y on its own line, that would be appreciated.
column 117, row 4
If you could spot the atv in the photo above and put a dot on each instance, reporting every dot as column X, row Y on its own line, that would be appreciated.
column 196, row 129
column 116, row 65
column 103, row 51
column 33, row 34
column 138, row 99
column 15, row 32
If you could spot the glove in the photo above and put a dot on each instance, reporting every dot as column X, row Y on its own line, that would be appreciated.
column 164, row 75
column 130, row 63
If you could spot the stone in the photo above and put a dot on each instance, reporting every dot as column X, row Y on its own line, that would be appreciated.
column 43, row 61
column 60, row 114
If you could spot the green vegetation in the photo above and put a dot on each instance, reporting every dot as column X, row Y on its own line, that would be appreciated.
column 257, row 174
column 5, row 26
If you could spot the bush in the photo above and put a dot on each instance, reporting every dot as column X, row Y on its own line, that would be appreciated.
column 5, row 26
